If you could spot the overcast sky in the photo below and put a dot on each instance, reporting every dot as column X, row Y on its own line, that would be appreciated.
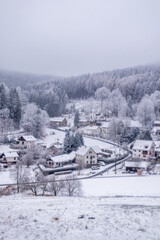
column 71, row 37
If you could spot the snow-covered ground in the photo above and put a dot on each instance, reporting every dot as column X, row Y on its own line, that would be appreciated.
column 131, row 185
column 61, row 218
column 59, row 136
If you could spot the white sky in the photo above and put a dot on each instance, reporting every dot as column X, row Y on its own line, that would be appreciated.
column 71, row 37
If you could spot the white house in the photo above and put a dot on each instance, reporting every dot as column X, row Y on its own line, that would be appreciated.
column 144, row 149
column 87, row 155
column 9, row 157
column 104, row 127
column 90, row 130
column 155, row 132
column 26, row 141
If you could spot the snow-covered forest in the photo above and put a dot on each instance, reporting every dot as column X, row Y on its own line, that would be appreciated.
column 131, row 93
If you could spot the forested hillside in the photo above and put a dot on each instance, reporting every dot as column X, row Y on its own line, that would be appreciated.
column 131, row 92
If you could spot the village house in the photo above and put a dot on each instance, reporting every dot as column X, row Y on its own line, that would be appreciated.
column 61, row 160
column 56, row 148
column 104, row 127
column 86, row 155
column 136, row 164
column 144, row 149
column 58, row 122
column 26, row 141
column 155, row 132
column 83, row 122
column 9, row 157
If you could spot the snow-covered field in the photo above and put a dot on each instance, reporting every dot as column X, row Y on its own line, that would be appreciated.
column 61, row 218
column 122, row 186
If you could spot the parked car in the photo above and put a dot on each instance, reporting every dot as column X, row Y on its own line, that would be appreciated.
column 95, row 167
column 102, row 163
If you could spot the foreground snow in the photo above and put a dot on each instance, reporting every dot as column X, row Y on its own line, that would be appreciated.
column 79, row 218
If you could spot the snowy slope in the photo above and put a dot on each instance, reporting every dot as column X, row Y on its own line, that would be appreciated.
column 59, row 218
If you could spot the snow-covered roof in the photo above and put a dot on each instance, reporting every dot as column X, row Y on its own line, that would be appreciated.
column 105, row 125
column 83, row 150
column 57, row 145
column 63, row 158
column 140, row 164
column 157, row 123
column 142, row 145
column 134, row 123
column 154, row 129
column 57, row 119
column 97, row 149
column 29, row 138
column 11, row 154
column 93, row 128
column 83, row 120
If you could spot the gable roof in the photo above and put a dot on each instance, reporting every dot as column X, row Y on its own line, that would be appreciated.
column 57, row 119
column 83, row 150
column 11, row 154
column 28, row 138
column 64, row 157
column 142, row 145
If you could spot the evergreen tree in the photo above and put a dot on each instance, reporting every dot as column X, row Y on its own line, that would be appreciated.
column 76, row 119
column 3, row 99
column 15, row 108
column 72, row 142
column 67, row 143
column 144, row 135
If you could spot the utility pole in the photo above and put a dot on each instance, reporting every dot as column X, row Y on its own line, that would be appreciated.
column 115, row 167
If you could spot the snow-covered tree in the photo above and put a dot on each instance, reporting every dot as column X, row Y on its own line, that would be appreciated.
column 34, row 120
column 145, row 112
column 3, row 98
column 76, row 118
column 72, row 142
column 15, row 107
column 102, row 94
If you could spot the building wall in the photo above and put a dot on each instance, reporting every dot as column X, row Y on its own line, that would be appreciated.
column 89, row 158
column 26, row 144
column 10, row 159
column 141, row 153
column 58, row 124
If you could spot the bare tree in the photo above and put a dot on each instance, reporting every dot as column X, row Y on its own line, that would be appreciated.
column 81, row 165
column 72, row 187
column 36, row 184
column 43, row 183
column 18, row 173
column 54, row 186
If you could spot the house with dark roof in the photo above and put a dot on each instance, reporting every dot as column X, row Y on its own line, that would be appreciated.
column 26, row 141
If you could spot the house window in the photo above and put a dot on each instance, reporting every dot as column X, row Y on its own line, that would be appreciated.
column 87, row 157
column 93, row 161
column 93, row 156
column 14, row 158
column 86, row 161
column 90, row 151
column 90, row 157
column 22, row 143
